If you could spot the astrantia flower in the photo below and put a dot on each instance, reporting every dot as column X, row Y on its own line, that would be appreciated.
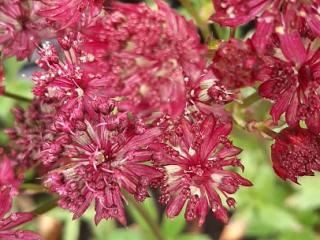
column 273, row 16
column 8, row 179
column 153, row 52
column 33, row 138
column 19, row 27
column 66, row 13
column 71, row 82
column 102, row 159
column 235, row 13
column 295, row 153
column 210, row 89
column 8, row 188
column 236, row 64
column 294, row 84
column 8, row 223
column 194, row 154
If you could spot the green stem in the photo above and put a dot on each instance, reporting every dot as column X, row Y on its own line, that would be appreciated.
column 232, row 33
column 267, row 131
column 250, row 100
column 17, row 97
column 46, row 207
column 148, row 219
column 201, row 24
column 32, row 186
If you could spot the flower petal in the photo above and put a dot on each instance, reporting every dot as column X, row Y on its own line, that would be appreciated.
column 292, row 47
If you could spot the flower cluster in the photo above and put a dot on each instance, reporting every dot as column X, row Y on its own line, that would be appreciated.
column 9, row 184
column 194, row 153
column 286, row 45
column 125, row 102
column 129, row 98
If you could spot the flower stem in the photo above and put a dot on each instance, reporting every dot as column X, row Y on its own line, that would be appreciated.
column 32, row 186
column 250, row 100
column 201, row 24
column 16, row 97
column 148, row 219
column 232, row 33
column 267, row 131
column 46, row 207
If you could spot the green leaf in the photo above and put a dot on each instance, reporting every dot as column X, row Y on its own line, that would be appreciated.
column 71, row 230
column 303, row 235
column 190, row 236
column 269, row 219
column 150, row 206
column 173, row 227
column 12, row 67
column 126, row 234
column 307, row 196
column 103, row 230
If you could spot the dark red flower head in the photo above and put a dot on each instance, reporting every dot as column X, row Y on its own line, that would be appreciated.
column 103, row 158
column 8, row 178
column 292, row 79
column 194, row 155
column 8, row 188
column 33, row 140
column 295, row 153
column 210, row 90
column 68, row 13
column 73, row 83
column 20, row 28
column 9, row 223
column 273, row 17
column 236, row 64
column 152, row 51
column 237, row 12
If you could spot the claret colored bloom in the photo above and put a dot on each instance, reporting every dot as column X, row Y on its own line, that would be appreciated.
column 273, row 16
column 236, row 64
column 295, row 153
column 8, row 223
column 20, row 29
column 194, row 155
column 8, row 179
column 67, row 13
column 293, row 82
column 103, row 159
column 153, row 52
column 8, row 188
column 71, row 82
column 209, row 89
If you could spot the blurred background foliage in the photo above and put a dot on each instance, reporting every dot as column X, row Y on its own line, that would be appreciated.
column 271, row 209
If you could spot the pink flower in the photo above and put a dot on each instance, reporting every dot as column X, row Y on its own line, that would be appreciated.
column 194, row 153
column 295, row 153
column 293, row 84
column 102, row 159
column 8, row 178
column 152, row 51
column 237, row 12
column 20, row 28
column 67, row 13
column 209, row 89
column 273, row 16
column 236, row 64
column 8, row 188
column 7, row 224
column 33, row 134
column 73, row 82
